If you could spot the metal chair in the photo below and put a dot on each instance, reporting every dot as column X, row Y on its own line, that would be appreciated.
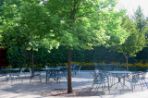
column 55, row 74
column 143, row 79
column 5, row 74
column 137, row 79
column 15, row 74
column 18, row 74
column 75, row 69
column 34, row 74
column 100, row 80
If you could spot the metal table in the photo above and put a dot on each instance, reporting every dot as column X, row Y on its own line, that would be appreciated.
column 54, row 72
column 120, row 75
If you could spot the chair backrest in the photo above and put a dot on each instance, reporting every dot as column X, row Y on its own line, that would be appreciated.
column 22, row 70
column 99, row 77
column 142, row 75
column 136, row 77
column 74, row 66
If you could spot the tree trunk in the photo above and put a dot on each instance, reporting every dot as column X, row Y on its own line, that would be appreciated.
column 126, row 60
column 69, row 79
column 72, row 17
column 32, row 64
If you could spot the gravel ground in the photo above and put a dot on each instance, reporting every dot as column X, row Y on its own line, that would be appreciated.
column 81, row 86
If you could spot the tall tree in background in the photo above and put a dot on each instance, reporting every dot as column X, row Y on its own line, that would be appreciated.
column 140, row 19
column 127, row 47
column 141, row 23
column 136, row 40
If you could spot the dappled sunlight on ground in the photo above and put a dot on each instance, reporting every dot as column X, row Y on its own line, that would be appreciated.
column 81, row 85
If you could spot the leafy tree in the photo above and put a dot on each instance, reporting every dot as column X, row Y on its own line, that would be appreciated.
column 73, row 24
column 145, row 30
column 25, row 27
column 130, row 28
column 140, row 19
column 134, row 44
column 85, row 24
column 137, row 40
column 141, row 24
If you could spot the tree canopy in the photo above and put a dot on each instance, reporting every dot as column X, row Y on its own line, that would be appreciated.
column 26, row 24
column 74, row 24
column 137, row 39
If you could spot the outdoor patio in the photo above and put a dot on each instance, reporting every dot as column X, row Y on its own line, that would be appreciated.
column 74, row 48
column 82, row 84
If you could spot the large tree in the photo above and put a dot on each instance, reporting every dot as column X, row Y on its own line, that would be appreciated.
column 84, row 24
column 26, row 26
column 73, row 24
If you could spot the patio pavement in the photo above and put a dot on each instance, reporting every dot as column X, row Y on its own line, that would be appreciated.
column 36, row 89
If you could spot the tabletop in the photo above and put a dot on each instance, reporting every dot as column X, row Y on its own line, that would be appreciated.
column 120, row 72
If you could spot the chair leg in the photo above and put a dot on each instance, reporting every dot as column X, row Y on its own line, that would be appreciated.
column 97, row 87
column 11, row 80
column 92, row 86
column 30, row 80
column 40, row 78
column 146, row 84
column 132, row 86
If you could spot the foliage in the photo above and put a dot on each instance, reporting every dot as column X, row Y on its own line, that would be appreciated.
column 141, row 22
column 136, row 31
column 26, row 24
column 32, row 24
column 73, row 24
column 137, row 39
column 140, row 19
column 85, row 24
column 143, row 55
column 16, row 57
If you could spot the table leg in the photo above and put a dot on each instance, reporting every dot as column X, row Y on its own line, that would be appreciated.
column 46, row 77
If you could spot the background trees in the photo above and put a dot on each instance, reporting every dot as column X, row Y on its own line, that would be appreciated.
column 137, row 39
